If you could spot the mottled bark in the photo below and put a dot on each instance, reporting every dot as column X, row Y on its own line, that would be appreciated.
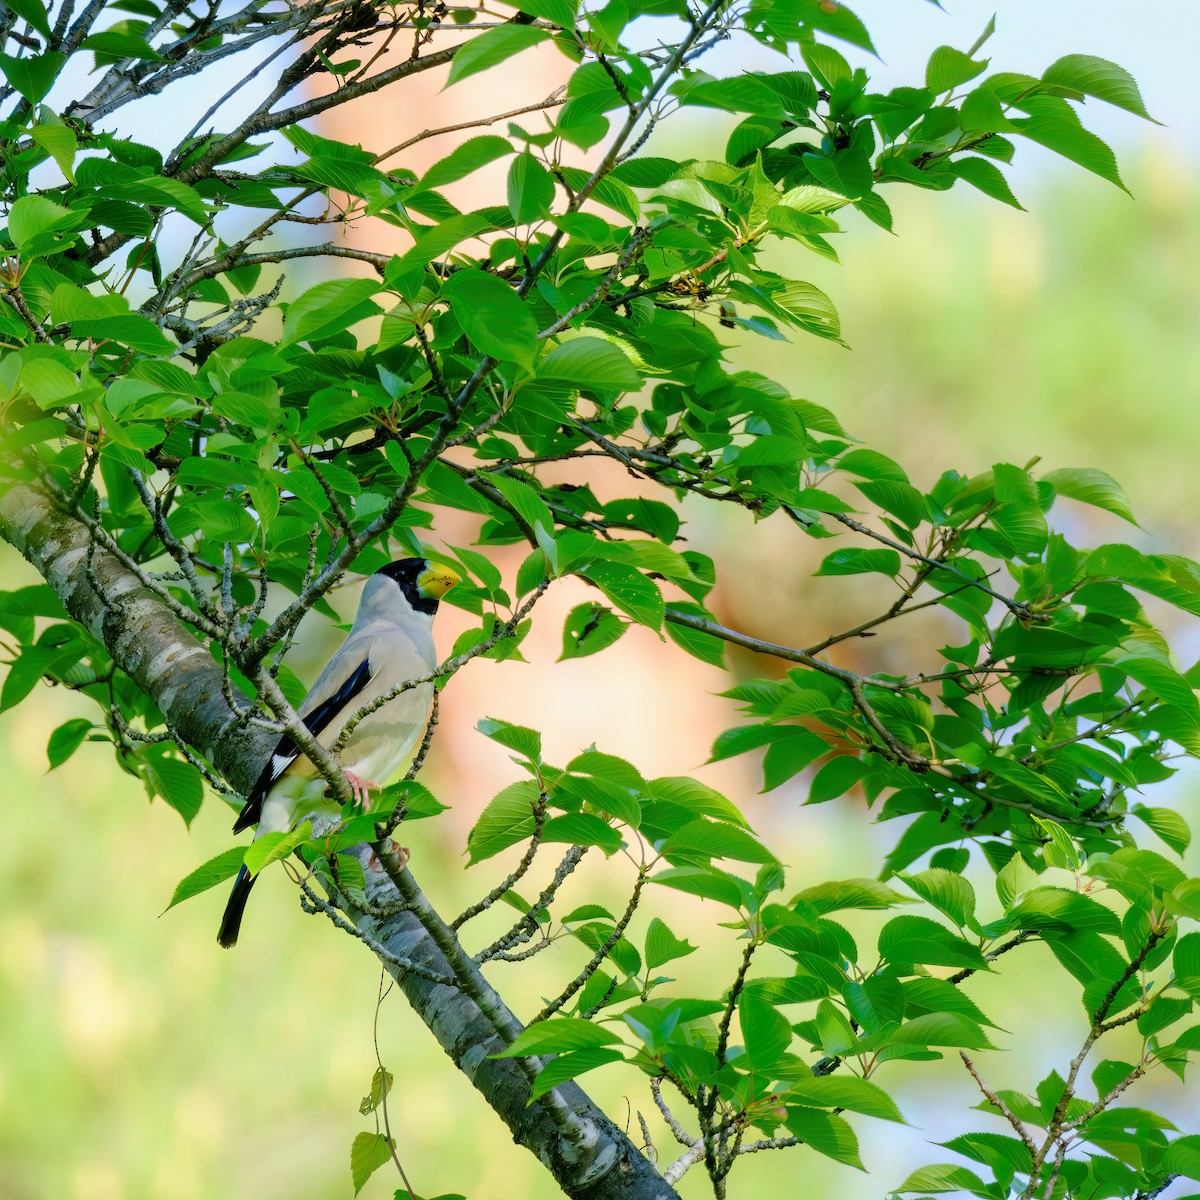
column 151, row 645
column 588, row 1155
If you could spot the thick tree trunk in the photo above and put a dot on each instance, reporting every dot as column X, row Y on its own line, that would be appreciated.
column 587, row 1154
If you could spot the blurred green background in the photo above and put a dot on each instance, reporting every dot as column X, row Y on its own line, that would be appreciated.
column 139, row 1061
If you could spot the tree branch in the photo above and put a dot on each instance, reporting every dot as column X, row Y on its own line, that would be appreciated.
column 589, row 1156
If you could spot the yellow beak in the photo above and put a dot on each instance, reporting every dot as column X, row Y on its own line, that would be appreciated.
column 436, row 580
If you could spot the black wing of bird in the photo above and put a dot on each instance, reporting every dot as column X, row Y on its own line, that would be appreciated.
column 286, row 751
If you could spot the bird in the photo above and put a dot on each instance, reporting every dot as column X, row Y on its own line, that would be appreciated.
column 390, row 642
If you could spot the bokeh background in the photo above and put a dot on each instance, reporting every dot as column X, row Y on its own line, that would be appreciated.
column 139, row 1061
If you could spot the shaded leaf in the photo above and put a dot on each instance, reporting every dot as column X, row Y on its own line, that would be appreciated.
column 588, row 629
column 493, row 316
column 826, row 1133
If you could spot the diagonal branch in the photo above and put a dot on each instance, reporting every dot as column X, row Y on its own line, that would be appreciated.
column 589, row 1156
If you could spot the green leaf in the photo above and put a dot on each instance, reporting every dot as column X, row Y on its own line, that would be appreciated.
column 808, row 308
column 985, row 176
column 588, row 629
column 493, row 46
column 856, row 1095
column 530, row 189
column 224, row 866
column 527, row 742
column 1186, row 962
column 481, row 566
column 836, row 20
column 493, row 316
column 940, row 1029
column 945, row 1177
column 558, row 1035
column 582, row 829
column 929, row 995
column 178, row 783
column 34, row 75
column 558, row 12
column 129, row 329
column 532, row 510
column 1060, row 850
column 875, row 1002
column 1184, row 900
column 1171, row 687
column 272, row 847
column 630, row 590
column 826, row 1133
column 870, row 464
column 32, row 12
column 902, row 500
column 60, row 142
column 447, row 234
column 112, row 45
column 662, row 946
column 709, row 839
column 765, row 1032
column 381, row 1087
column 1182, row 1156
column 35, row 221
column 609, row 770
column 853, row 560
column 694, row 798
column 35, row 600
column 1169, row 577
column 606, row 797
column 569, row 1066
column 591, row 362
column 947, row 68
column 704, row 646
column 472, row 154
column 646, row 172
column 836, row 778
column 708, row 883
column 946, row 891
column 1057, row 908
column 1005, row 1155
column 789, row 754
column 1168, row 824
column 982, row 112
column 368, row 1152
column 910, row 939
column 328, row 309
column 851, row 893
column 1091, row 486
column 23, row 676
column 1099, row 78
column 66, row 739
column 1054, row 124
column 506, row 820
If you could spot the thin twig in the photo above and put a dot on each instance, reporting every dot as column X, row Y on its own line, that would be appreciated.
column 602, row 952
column 999, row 1104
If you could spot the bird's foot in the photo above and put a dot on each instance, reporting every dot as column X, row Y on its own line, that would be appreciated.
column 401, row 853
column 360, row 789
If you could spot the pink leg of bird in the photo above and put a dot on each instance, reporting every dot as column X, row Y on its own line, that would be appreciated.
column 362, row 793
column 360, row 789
column 401, row 852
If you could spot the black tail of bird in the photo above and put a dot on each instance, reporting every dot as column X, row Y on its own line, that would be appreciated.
column 231, row 922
